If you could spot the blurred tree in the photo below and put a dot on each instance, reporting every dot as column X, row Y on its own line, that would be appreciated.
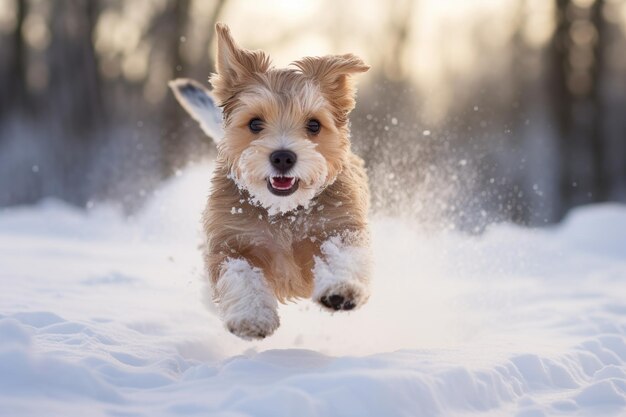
column 600, row 181
column 578, row 69
column 18, row 67
column 180, row 139
column 74, row 102
column 168, row 29
column 13, row 67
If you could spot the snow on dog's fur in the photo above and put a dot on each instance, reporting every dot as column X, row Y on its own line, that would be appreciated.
column 287, row 215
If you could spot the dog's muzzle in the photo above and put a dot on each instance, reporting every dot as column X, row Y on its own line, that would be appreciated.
column 283, row 160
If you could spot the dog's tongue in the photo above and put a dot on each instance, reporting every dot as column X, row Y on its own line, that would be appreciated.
column 282, row 183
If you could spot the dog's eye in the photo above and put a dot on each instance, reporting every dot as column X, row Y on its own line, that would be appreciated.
column 255, row 125
column 313, row 126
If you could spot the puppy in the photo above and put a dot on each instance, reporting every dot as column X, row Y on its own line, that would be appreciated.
column 287, row 213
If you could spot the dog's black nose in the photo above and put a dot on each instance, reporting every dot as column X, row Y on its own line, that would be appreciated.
column 283, row 160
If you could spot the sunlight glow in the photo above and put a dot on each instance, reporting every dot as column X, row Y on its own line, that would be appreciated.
column 7, row 15
column 440, row 43
column 36, row 32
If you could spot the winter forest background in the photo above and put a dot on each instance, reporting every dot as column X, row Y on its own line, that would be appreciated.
column 473, row 112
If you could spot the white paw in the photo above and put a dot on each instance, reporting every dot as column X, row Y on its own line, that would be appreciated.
column 258, row 327
column 341, row 276
column 246, row 303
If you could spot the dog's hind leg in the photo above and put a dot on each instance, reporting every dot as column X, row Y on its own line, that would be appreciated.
column 342, row 274
column 245, row 301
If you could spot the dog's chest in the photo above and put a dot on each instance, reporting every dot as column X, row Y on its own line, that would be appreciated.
column 301, row 225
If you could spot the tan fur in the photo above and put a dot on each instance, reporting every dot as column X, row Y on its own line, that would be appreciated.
column 285, row 245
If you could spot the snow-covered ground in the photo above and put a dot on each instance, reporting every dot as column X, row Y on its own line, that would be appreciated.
column 102, row 315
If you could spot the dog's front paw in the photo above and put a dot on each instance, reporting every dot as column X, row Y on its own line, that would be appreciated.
column 343, row 297
column 257, row 327
column 341, row 275
column 337, row 302
column 246, row 303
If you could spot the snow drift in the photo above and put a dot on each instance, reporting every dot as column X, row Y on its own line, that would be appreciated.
column 103, row 315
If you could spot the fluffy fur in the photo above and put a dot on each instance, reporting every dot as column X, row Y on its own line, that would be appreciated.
column 247, row 305
column 262, row 247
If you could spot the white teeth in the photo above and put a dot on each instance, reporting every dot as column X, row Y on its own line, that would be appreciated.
column 283, row 186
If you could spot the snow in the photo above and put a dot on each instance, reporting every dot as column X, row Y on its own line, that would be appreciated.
column 104, row 315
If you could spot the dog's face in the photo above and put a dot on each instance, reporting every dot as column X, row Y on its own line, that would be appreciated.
column 286, row 133
column 281, row 142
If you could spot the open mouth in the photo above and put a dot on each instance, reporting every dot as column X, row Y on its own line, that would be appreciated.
column 282, row 186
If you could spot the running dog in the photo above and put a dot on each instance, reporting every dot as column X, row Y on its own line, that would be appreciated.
column 287, row 213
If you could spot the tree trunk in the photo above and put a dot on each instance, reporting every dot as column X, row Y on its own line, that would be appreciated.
column 601, row 181
column 561, row 104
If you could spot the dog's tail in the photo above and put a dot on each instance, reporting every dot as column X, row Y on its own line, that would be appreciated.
column 200, row 105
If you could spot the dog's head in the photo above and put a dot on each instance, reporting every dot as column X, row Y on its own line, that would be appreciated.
column 286, row 133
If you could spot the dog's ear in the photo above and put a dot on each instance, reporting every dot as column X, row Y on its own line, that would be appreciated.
column 333, row 73
column 198, row 102
column 234, row 64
